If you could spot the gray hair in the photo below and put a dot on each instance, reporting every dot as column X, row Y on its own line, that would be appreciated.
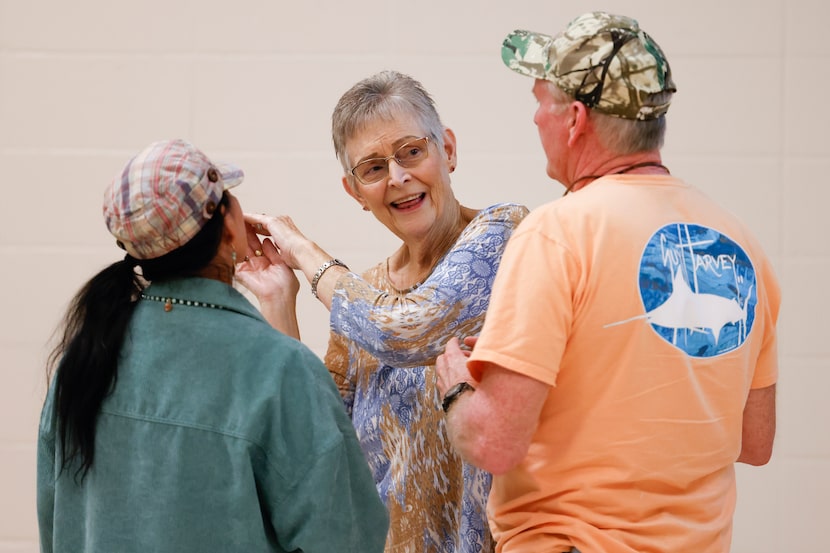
column 625, row 136
column 384, row 96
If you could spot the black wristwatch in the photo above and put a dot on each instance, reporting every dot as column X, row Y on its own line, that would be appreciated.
column 453, row 393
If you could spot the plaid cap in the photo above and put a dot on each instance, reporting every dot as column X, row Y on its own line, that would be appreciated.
column 605, row 61
column 164, row 196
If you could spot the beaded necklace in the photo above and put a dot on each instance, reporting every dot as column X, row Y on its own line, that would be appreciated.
column 169, row 302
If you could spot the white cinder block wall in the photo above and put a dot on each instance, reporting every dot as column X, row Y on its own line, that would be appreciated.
column 87, row 83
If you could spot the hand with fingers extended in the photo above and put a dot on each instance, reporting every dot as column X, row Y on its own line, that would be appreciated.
column 290, row 242
column 292, row 248
column 265, row 272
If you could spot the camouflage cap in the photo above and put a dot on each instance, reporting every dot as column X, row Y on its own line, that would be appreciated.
column 605, row 61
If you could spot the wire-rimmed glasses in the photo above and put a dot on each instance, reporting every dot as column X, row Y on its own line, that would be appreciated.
column 372, row 170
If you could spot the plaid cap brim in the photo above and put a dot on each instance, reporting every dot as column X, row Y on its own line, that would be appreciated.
column 231, row 174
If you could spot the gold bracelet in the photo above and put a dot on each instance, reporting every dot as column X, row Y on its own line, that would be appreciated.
column 323, row 268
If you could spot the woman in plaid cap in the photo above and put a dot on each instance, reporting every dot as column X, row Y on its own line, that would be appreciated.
column 163, row 429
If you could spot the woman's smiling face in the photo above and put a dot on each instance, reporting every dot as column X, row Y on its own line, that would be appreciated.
column 412, row 201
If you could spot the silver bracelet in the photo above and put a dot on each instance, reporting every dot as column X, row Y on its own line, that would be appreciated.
column 323, row 268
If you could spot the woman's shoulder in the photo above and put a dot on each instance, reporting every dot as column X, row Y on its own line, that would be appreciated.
column 510, row 213
column 496, row 222
column 276, row 359
column 497, row 216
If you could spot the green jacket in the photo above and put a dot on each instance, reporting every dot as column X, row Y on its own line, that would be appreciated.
column 221, row 434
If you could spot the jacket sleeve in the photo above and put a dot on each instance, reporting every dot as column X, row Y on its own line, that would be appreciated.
column 335, row 507
column 315, row 477
column 46, row 477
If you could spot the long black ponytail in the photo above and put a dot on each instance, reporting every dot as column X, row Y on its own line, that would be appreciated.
column 94, row 329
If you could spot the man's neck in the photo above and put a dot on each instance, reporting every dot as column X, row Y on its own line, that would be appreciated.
column 637, row 163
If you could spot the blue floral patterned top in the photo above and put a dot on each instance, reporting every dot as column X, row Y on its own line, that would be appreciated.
column 382, row 355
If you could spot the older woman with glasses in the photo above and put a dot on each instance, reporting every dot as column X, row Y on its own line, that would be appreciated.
column 390, row 323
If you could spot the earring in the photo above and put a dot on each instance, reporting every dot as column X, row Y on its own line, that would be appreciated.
column 232, row 268
column 365, row 208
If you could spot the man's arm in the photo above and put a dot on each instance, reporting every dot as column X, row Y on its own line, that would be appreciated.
column 758, row 427
column 491, row 427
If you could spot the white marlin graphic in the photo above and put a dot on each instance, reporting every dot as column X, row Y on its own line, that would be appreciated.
column 687, row 309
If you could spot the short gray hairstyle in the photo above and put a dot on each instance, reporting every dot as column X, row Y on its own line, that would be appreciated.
column 625, row 136
column 383, row 96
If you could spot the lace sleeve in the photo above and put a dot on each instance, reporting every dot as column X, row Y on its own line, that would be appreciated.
column 412, row 329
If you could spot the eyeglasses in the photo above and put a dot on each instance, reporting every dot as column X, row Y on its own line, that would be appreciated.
column 370, row 171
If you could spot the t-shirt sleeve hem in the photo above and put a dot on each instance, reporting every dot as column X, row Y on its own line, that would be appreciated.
column 480, row 358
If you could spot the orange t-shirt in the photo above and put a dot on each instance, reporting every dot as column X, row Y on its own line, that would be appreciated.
column 651, row 312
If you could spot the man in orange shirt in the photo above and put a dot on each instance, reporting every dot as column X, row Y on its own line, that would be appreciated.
column 628, row 357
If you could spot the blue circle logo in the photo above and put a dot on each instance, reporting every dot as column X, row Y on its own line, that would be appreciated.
column 698, row 289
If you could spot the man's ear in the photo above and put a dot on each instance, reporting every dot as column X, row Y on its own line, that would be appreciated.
column 577, row 121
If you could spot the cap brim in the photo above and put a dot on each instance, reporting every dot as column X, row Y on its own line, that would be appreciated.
column 527, row 53
column 231, row 174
